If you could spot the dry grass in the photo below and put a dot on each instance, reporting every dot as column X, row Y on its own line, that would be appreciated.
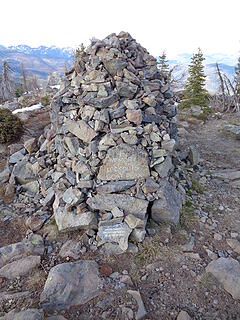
column 149, row 250
column 187, row 217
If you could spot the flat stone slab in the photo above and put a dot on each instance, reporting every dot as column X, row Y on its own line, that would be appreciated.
column 115, row 186
column 29, row 314
column 6, row 296
column 124, row 162
column 73, row 221
column 32, row 246
column 20, row 267
column 227, row 272
column 70, row 284
column 107, row 202
column 227, row 175
column 56, row 318
column 81, row 130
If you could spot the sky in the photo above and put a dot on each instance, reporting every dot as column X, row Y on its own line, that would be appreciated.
column 174, row 26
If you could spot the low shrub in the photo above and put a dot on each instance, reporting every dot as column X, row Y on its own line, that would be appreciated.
column 10, row 127
column 45, row 101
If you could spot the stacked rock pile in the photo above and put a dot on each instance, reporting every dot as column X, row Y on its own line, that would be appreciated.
column 108, row 160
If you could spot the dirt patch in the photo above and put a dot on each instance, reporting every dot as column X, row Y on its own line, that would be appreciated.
column 12, row 231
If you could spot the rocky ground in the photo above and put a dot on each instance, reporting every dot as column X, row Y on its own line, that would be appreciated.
column 191, row 271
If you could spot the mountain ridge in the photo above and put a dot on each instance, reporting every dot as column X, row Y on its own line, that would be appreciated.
column 43, row 60
column 40, row 61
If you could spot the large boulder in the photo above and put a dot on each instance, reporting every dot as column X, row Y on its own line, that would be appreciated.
column 70, row 284
column 227, row 272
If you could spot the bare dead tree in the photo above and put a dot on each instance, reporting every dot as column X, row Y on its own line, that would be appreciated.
column 222, row 88
column 7, row 84
column 229, row 96
column 177, row 77
column 24, row 77
column 33, row 84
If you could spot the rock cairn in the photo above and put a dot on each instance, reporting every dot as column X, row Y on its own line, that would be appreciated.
column 105, row 163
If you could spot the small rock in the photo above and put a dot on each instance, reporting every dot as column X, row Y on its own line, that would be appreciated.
column 234, row 234
column 217, row 236
column 169, row 145
column 71, row 249
column 194, row 156
column 31, row 145
column 141, row 313
column 134, row 222
column 164, row 168
column 126, row 279
column 138, row 234
column 212, row 255
column 183, row 315
column 134, row 116
column 80, row 129
column 188, row 247
column 234, row 244
column 126, row 89
column 116, row 212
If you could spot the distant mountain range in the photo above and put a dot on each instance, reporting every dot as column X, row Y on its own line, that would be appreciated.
column 42, row 61
column 39, row 61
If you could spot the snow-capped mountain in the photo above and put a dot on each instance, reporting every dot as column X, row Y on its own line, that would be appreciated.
column 39, row 61
column 40, row 51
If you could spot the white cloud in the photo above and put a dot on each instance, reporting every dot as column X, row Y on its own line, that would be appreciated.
column 172, row 25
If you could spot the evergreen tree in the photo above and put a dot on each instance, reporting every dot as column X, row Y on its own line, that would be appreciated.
column 195, row 92
column 163, row 66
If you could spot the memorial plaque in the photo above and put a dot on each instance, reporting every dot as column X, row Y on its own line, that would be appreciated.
column 115, row 231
